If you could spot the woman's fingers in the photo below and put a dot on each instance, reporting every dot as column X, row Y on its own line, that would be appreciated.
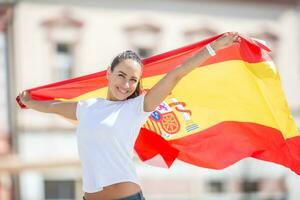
column 227, row 39
column 23, row 93
column 235, row 36
column 24, row 96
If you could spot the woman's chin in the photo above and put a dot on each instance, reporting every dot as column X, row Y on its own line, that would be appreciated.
column 122, row 97
column 119, row 96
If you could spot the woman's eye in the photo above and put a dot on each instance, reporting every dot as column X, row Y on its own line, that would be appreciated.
column 133, row 80
column 121, row 75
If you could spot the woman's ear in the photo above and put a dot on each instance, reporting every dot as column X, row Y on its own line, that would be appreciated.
column 108, row 72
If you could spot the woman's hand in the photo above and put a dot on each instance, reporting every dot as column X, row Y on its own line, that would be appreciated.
column 25, row 97
column 225, row 40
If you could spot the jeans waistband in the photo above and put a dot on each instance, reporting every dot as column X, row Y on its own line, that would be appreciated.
column 136, row 196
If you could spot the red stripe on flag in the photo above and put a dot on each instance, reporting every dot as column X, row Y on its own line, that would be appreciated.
column 248, row 50
column 228, row 142
column 149, row 144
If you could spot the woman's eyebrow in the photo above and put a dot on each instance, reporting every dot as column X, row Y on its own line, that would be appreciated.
column 122, row 72
column 126, row 74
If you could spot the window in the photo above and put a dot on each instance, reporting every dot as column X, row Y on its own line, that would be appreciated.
column 63, row 32
column 216, row 186
column 64, row 61
column 59, row 189
column 144, row 38
column 144, row 52
column 250, row 186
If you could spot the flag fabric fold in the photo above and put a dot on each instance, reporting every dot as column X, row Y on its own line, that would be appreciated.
column 230, row 107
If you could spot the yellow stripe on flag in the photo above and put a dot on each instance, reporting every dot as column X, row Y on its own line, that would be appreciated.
column 232, row 91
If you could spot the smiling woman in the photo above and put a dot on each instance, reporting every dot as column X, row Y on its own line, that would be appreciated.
column 108, row 128
column 124, row 76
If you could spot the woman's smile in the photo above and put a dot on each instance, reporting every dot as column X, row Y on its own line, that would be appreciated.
column 123, row 91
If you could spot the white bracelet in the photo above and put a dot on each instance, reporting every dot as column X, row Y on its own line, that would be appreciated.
column 210, row 50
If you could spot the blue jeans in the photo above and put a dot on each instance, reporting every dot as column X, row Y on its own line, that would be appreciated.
column 136, row 196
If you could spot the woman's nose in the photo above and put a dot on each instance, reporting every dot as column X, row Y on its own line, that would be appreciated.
column 126, row 84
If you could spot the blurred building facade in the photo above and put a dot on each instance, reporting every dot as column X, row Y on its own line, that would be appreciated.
column 6, row 183
column 56, row 41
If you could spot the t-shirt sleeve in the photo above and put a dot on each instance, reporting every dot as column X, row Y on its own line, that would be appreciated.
column 83, row 106
column 137, row 105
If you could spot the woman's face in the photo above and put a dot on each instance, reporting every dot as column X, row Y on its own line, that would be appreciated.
column 123, row 80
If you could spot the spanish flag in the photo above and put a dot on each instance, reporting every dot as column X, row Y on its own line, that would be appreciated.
column 230, row 107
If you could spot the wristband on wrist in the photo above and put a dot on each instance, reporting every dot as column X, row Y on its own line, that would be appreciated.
column 210, row 50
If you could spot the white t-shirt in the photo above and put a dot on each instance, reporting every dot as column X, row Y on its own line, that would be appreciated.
column 106, row 135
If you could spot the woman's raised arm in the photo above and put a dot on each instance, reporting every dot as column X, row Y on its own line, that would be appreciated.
column 64, row 109
column 162, row 88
